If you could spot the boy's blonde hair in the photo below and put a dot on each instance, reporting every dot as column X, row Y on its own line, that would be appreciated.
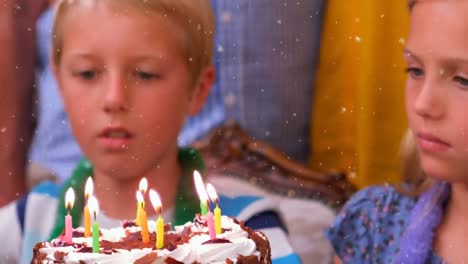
column 195, row 18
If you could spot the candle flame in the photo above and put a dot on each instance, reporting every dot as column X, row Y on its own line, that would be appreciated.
column 212, row 193
column 143, row 187
column 93, row 206
column 200, row 186
column 69, row 198
column 155, row 201
column 89, row 188
column 140, row 198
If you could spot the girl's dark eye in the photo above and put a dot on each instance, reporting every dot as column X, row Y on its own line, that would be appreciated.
column 461, row 81
column 415, row 72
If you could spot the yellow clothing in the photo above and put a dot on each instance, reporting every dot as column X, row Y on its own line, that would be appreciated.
column 359, row 118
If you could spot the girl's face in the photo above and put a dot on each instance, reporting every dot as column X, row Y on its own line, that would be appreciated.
column 437, row 87
column 126, row 88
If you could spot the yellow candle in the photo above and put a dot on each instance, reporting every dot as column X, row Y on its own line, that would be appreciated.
column 87, row 222
column 156, row 202
column 144, row 226
column 217, row 215
column 160, row 233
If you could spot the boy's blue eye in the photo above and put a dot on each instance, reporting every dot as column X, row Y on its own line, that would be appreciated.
column 146, row 75
column 88, row 75
column 415, row 72
column 461, row 81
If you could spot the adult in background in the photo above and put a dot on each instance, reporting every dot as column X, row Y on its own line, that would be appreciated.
column 17, row 57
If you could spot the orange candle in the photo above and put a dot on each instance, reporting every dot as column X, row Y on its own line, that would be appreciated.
column 89, row 188
column 87, row 222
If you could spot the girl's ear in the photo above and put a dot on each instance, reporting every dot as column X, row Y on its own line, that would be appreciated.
column 202, row 90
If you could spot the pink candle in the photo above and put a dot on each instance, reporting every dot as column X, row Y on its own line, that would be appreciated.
column 69, row 200
column 211, row 225
column 68, row 228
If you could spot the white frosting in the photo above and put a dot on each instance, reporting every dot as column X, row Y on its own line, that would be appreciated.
column 190, row 252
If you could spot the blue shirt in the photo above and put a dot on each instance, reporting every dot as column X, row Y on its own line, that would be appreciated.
column 370, row 225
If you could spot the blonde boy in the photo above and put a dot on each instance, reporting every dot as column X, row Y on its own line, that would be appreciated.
column 129, row 72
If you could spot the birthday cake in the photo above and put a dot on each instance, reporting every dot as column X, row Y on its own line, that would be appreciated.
column 190, row 243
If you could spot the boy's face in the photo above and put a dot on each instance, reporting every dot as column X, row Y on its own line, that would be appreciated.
column 437, row 87
column 126, row 88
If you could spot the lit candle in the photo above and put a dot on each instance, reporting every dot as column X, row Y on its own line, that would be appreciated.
column 69, row 200
column 94, row 208
column 143, row 218
column 211, row 225
column 217, row 211
column 89, row 188
column 156, row 202
column 143, row 186
column 200, row 186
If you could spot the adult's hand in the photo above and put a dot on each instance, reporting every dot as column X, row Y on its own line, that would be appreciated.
column 17, row 63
